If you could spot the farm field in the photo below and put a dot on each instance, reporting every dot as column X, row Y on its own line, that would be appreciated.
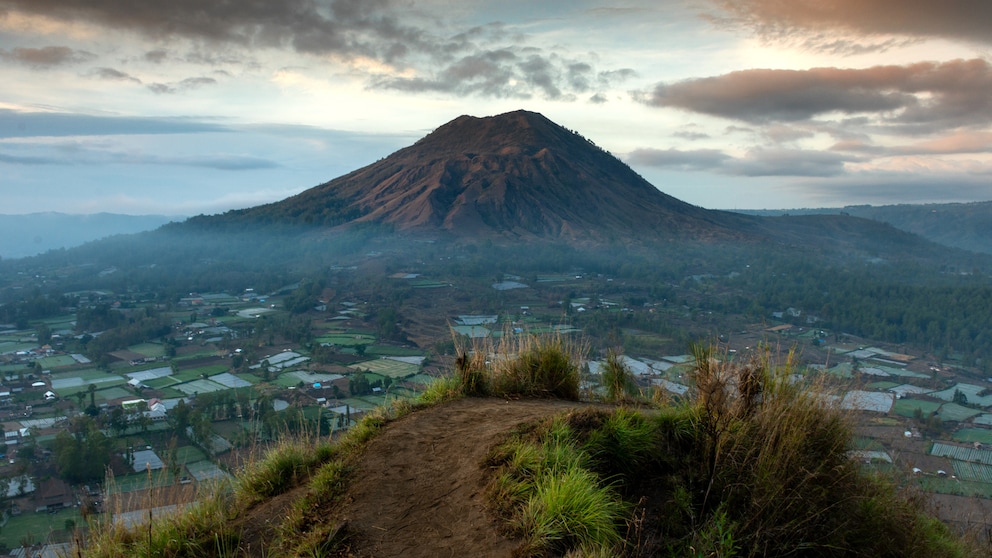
column 386, row 367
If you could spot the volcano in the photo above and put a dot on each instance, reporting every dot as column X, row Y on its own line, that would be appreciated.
column 516, row 176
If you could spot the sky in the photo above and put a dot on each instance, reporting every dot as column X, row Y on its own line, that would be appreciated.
column 186, row 107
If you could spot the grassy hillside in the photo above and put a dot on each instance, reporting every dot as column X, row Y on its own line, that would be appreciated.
column 753, row 462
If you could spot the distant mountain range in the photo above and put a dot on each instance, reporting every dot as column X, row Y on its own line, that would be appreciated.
column 35, row 233
column 961, row 225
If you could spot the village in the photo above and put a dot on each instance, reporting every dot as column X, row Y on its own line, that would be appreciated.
column 193, row 405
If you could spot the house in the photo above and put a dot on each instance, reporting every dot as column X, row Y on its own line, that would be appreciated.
column 53, row 494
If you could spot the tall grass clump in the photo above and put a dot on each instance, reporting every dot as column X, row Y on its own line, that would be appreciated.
column 200, row 530
column 546, row 491
column 773, row 476
column 521, row 365
column 617, row 378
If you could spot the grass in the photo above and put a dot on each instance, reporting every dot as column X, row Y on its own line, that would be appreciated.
column 969, row 435
column 546, row 491
column 753, row 464
column 522, row 365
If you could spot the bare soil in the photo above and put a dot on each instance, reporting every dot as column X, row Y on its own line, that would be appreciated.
column 419, row 488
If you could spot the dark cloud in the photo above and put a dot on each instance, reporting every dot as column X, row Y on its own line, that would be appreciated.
column 394, row 33
column 345, row 27
column 111, row 74
column 156, row 56
column 818, row 23
column 46, row 57
column 931, row 94
column 598, row 99
column 14, row 124
column 756, row 162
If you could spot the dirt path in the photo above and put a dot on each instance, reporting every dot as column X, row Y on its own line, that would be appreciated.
column 419, row 488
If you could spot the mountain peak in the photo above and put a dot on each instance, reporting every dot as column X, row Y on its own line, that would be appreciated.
column 513, row 175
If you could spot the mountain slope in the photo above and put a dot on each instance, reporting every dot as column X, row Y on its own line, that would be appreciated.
column 516, row 175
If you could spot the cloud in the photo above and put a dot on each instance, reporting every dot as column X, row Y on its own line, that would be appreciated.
column 111, row 74
column 947, row 94
column 695, row 159
column 74, row 153
column 394, row 43
column 787, row 162
column 17, row 124
column 184, row 85
column 833, row 24
column 46, row 57
column 346, row 27
column 756, row 162
column 959, row 142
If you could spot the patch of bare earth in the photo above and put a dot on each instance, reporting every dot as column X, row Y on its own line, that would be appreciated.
column 418, row 490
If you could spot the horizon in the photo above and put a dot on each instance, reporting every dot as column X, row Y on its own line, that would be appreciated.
column 135, row 108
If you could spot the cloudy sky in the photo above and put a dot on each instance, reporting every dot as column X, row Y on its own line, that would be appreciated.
column 182, row 107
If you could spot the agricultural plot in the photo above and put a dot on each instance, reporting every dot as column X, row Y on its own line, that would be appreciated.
column 867, row 401
column 113, row 393
column 388, row 367
column 389, row 350
column 199, row 386
column 957, row 413
column 307, row 377
column 150, row 350
column 984, row 419
column 908, row 407
column 205, row 471
column 976, row 395
column 158, row 383
column 961, row 453
column 972, row 471
column 36, row 527
column 62, row 384
column 145, row 375
column 972, row 435
column 209, row 370
column 230, row 380
column 946, row 485
column 14, row 346
column 882, row 386
column 347, row 339
column 56, row 361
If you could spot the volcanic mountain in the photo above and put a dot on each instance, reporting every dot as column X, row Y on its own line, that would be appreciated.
column 515, row 175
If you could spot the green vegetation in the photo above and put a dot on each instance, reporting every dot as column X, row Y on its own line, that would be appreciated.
column 535, row 366
column 759, row 469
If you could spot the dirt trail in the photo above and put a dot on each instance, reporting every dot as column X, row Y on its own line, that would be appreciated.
column 419, row 488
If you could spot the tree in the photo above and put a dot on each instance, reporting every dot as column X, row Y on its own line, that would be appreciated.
column 82, row 452
column 178, row 418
